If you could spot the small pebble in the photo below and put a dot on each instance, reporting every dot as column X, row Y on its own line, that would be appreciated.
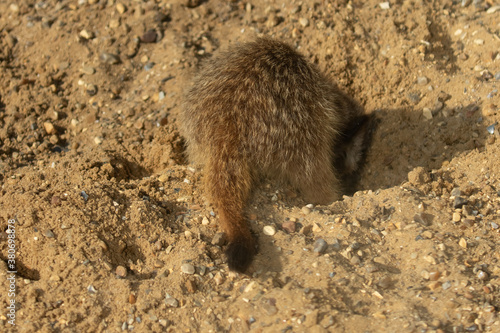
column 14, row 8
column 418, row 176
column 120, row 8
column 427, row 234
column 269, row 230
column 320, row 246
column 316, row 228
column 55, row 278
column 63, row 65
column 55, row 200
column 49, row 128
column 462, row 243
column 427, row 113
column 438, row 106
column 459, row 202
column 158, row 263
column 482, row 275
column 355, row 260
column 491, row 128
column 272, row 20
column 422, row 80
column 87, row 34
column 171, row 302
column 84, row 195
column 321, row 25
column 304, row 22
column 87, row 70
column 91, row 290
column 478, row 68
column 113, row 24
column 413, row 97
column 191, row 286
column 385, row 5
column 54, row 139
column 289, row 226
column 149, row 36
column 385, row 283
column 434, row 276
column 219, row 279
column 423, row 219
column 306, row 210
column 48, row 233
column 139, row 124
column 269, row 307
column 456, row 217
column 98, row 140
column 164, row 273
column 434, row 285
column 109, row 58
column 493, row 9
column 187, row 268
column 132, row 299
column 91, row 89
column 219, row 239
column 121, row 271
column 478, row 41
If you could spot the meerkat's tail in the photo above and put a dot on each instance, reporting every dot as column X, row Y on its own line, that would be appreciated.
column 229, row 181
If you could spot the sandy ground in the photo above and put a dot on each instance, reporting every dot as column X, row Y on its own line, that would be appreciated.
column 110, row 226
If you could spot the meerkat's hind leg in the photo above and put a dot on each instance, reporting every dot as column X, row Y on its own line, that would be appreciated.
column 321, row 186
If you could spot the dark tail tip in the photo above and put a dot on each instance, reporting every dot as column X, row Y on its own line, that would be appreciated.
column 239, row 255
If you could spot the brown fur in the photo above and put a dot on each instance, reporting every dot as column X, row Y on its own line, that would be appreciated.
column 261, row 109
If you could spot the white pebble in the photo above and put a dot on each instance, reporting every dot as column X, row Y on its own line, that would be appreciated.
column 304, row 22
column 269, row 230
column 493, row 9
column 187, row 269
column 306, row 210
column 427, row 113
column 478, row 41
column 458, row 32
column 422, row 80
column 86, row 34
column 384, row 5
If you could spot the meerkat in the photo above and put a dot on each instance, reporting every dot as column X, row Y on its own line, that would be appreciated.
column 261, row 109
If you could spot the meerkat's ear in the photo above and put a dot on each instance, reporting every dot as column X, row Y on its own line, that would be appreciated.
column 356, row 142
column 351, row 150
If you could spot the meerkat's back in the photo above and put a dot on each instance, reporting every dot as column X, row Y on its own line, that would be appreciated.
column 261, row 109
